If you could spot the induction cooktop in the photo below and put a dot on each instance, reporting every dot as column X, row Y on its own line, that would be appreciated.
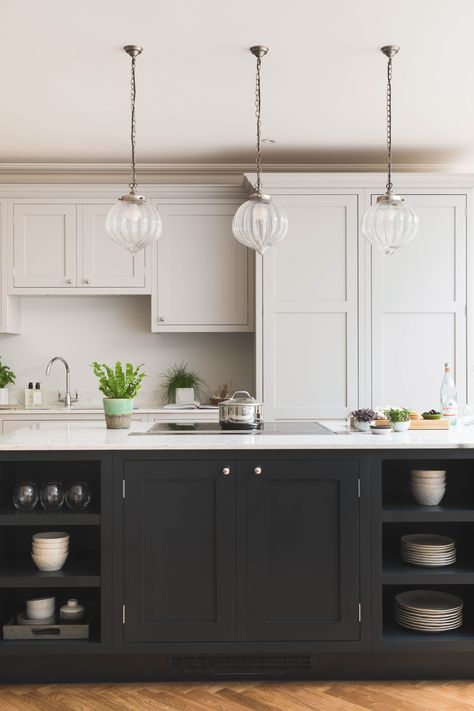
column 265, row 428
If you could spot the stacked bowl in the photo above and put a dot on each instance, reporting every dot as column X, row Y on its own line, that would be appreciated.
column 428, row 486
column 50, row 550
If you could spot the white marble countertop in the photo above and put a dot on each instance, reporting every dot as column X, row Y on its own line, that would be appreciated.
column 94, row 436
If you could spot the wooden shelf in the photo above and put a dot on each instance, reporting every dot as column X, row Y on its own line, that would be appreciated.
column 415, row 513
column 396, row 572
column 76, row 573
column 45, row 518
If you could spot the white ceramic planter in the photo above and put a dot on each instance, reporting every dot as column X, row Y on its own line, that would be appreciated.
column 400, row 426
column 362, row 426
column 184, row 395
column 3, row 396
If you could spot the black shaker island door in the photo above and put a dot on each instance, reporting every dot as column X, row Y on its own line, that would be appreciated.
column 302, row 549
column 179, row 557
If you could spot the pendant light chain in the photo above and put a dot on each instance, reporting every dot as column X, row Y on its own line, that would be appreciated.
column 389, row 185
column 133, row 126
column 258, row 114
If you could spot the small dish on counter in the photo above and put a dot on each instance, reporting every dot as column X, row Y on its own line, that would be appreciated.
column 380, row 429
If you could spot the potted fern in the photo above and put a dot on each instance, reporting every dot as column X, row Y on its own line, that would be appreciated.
column 119, row 385
column 182, row 385
column 6, row 376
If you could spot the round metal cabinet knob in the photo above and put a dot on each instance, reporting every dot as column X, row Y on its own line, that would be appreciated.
column 257, row 471
column 69, row 281
column 226, row 471
column 162, row 318
column 87, row 281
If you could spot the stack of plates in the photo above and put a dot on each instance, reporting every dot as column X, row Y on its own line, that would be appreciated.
column 428, row 610
column 428, row 549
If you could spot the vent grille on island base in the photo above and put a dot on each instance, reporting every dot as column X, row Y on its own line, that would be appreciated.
column 241, row 663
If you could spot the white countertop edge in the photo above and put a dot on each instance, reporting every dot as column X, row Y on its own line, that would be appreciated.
column 93, row 436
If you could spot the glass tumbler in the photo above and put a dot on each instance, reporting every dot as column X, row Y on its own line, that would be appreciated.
column 78, row 496
column 25, row 495
column 52, row 495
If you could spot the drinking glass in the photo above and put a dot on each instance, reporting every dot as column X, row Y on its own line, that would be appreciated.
column 52, row 495
column 25, row 495
column 78, row 496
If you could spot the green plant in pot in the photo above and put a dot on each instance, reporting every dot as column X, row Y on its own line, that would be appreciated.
column 119, row 385
column 7, row 376
column 182, row 384
column 399, row 418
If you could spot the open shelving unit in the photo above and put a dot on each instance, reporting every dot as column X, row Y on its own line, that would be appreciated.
column 395, row 513
column 83, row 574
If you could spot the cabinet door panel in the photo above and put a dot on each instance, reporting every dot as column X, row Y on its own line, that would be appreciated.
column 310, row 310
column 202, row 270
column 105, row 263
column 419, row 307
column 179, row 551
column 302, row 548
column 44, row 245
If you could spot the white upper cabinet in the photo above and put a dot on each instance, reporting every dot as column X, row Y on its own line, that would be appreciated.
column 44, row 246
column 310, row 310
column 419, row 306
column 58, row 248
column 101, row 262
column 203, row 277
column 9, row 305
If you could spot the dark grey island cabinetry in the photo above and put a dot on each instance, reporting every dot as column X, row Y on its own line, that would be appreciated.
column 202, row 563
column 221, row 550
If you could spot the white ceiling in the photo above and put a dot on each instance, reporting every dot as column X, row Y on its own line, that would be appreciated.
column 66, row 80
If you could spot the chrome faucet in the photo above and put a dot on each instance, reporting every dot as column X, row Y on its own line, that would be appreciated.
column 67, row 399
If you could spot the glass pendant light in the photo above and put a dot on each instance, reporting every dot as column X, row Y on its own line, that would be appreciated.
column 133, row 222
column 259, row 223
column 389, row 224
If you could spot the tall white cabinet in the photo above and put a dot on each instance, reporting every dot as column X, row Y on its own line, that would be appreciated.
column 419, row 306
column 340, row 324
column 310, row 310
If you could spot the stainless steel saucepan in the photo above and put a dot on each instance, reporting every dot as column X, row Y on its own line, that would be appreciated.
column 241, row 411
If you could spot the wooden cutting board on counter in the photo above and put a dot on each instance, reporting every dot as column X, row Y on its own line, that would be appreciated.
column 423, row 424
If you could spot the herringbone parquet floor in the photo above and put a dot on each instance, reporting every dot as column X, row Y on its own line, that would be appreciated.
column 242, row 696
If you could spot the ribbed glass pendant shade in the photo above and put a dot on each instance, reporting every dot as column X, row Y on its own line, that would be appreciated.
column 390, row 224
column 133, row 223
column 259, row 223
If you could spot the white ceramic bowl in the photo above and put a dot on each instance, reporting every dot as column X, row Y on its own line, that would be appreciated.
column 428, row 498
column 51, row 536
column 40, row 608
column 49, row 564
column 429, row 473
column 50, row 549
column 428, row 487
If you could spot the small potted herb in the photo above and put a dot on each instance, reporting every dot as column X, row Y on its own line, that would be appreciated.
column 6, row 376
column 182, row 385
column 119, row 385
column 399, row 418
column 363, row 418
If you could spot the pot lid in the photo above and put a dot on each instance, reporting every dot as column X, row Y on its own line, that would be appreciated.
column 234, row 400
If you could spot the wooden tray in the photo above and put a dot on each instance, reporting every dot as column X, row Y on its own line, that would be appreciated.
column 64, row 630
column 423, row 424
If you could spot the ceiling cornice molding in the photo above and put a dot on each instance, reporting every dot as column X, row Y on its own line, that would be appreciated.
column 229, row 173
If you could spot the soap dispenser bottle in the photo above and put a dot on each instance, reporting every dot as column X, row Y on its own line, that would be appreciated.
column 29, row 397
column 37, row 395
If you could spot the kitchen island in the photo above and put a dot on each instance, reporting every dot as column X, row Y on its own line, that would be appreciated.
column 237, row 554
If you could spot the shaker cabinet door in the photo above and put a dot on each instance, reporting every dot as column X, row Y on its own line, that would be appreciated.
column 302, row 550
column 310, row 310
column 179, row 555
column 203, row 279
column 103, row 263
column 419, row 302
column 44, row 246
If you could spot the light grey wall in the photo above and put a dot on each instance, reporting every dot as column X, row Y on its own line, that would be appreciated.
column 83, row 329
